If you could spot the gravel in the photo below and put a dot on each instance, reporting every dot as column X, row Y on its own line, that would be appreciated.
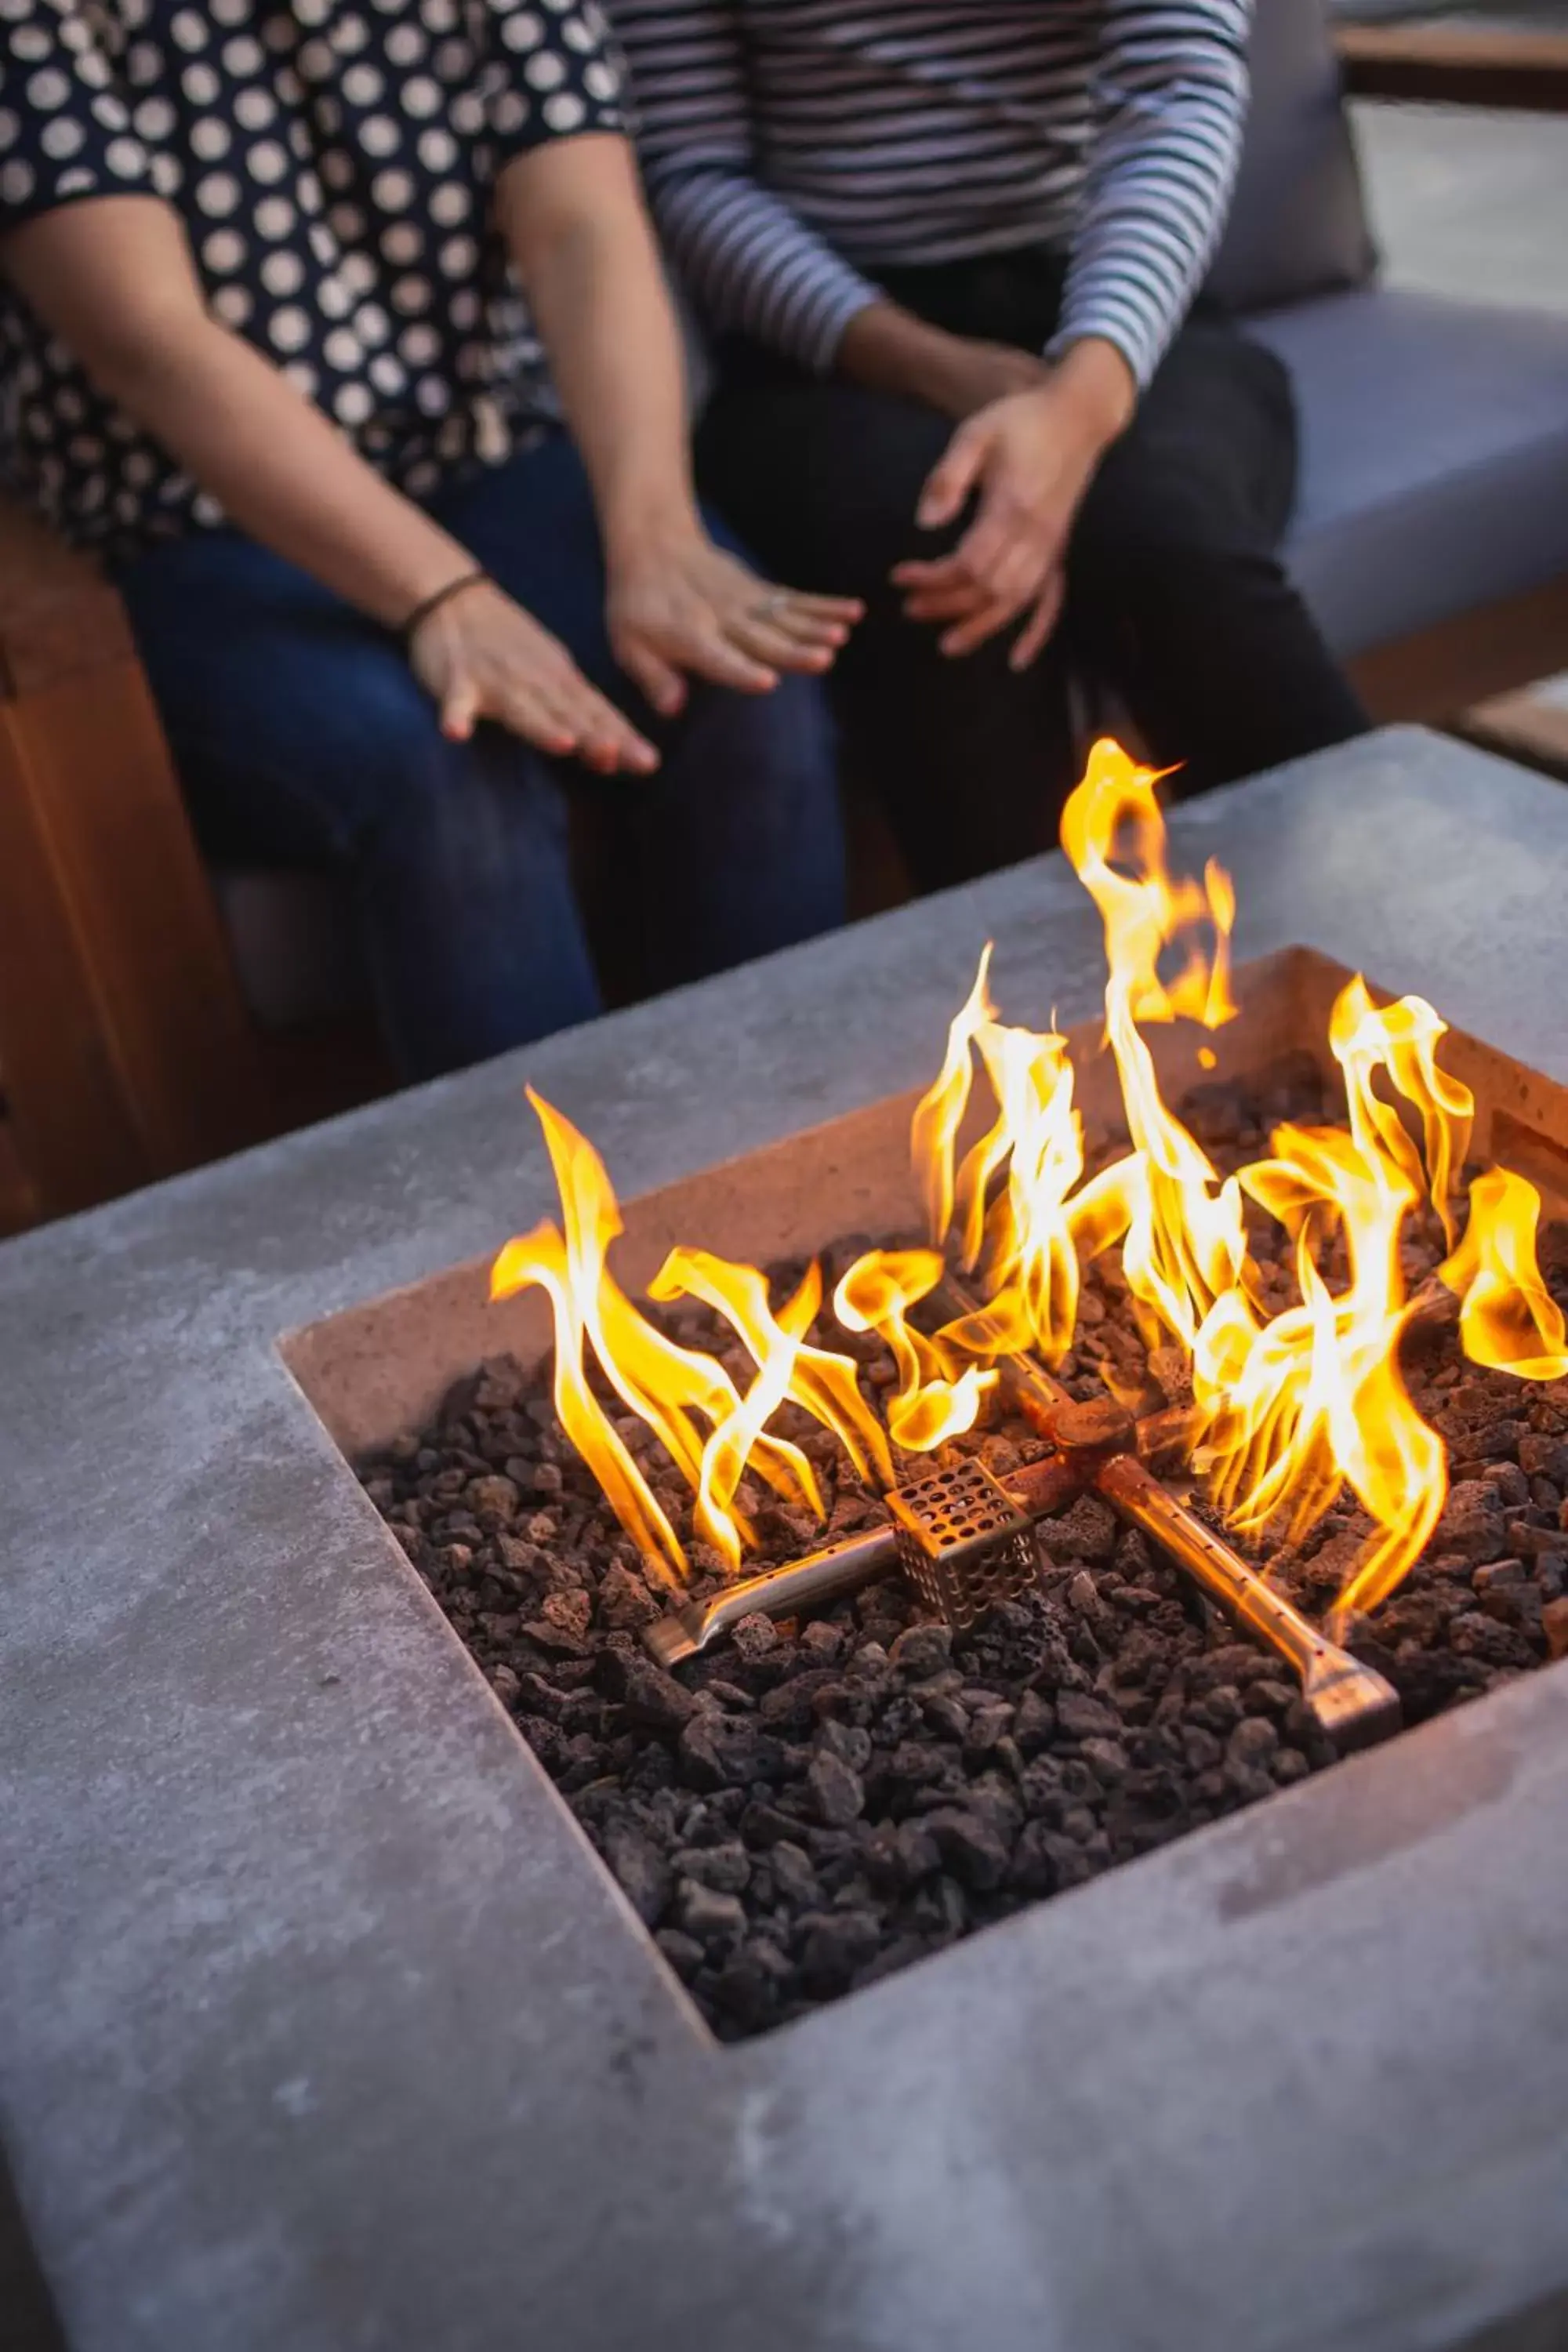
column 810, row 1804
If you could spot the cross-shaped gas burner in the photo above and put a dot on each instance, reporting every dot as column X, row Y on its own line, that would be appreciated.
column 966, row 1540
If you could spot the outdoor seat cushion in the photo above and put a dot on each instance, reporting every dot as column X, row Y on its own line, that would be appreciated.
column 1435, row 456
column 1297, row 224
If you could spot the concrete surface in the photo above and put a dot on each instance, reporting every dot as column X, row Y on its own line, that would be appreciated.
column 1469, row 202
column 321, row 2028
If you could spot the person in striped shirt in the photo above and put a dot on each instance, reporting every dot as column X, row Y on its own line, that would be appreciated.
column 951, row 256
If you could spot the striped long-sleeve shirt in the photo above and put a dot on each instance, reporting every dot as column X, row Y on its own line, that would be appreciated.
column 792, row 147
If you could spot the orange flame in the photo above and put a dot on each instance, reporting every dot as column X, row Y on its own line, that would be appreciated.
column 1297, row 1406
column 938, row 1114
column 1017, row 1229
column 1183, row 1232
column 686, row 1399
column 933, row 1403
column 660, row 1382
column 1293, row 1407
column 1509, row 1319
column 826, row 1385
column 694, row 1274
column 1314, row 1399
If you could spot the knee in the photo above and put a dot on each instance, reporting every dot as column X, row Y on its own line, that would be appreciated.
column 822, row 483
column 1168, row 564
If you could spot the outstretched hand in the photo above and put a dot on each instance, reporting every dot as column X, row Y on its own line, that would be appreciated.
column 683, row 606
column 482, row 657
column 1027, row 458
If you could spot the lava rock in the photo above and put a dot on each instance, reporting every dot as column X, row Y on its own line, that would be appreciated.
column 754, row 1636
column 722, row 1751
column 791, row 1705
column 755, row 1984
column 835, row 1944
column 568, row 1613
column 652, row 1700
column 763, row 1826
column 711, row 1918
column 1471, row 1524
column 1101, row 1713
column 625, row 1603
column 1034, row 1859
column 1079, row 1716
column 1254, row 1741
column 1087, row 1530
column 644, row 1876
column 836, row 1791
column 969, row 1846
column 1034, row 1724
column 922, row 1650
column 1108, row 1760
column 793, row 1874
column 725, row 1867
column 847, row 1741
column 495, row 1498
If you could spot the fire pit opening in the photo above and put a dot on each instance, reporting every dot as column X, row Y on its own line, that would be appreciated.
column 878, row 1547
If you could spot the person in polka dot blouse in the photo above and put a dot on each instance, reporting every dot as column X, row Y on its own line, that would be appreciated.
column 338, row 331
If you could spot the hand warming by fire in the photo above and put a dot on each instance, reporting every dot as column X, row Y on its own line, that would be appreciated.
column 1294, row 1401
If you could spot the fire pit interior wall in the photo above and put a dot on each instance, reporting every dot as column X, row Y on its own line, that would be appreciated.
column 378, row 1373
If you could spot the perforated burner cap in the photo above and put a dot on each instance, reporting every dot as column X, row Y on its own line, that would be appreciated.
column 963, row 1542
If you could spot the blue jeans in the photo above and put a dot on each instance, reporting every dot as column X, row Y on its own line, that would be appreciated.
column 302, row 738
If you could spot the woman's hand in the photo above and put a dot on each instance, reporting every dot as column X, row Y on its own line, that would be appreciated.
column 482, row 657
column 679, row 604
column 1030, row 457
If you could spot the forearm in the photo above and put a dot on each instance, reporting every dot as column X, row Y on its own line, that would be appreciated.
column 1174, row 84
column 284, row 474
column 580, row 241
column 755, row 269
column 114, row 280
column 889, row 349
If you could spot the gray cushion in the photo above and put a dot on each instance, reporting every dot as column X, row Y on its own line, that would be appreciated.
column 1297, row 224
column 1435, row 456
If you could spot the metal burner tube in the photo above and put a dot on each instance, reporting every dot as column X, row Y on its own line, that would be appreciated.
column 1040, row 1488
column 1352, row 1701
column 809, row 1583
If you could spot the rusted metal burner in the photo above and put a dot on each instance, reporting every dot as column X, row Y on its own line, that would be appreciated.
column 966, row 1540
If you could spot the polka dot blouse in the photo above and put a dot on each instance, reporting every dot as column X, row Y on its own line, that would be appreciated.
column 333, row 161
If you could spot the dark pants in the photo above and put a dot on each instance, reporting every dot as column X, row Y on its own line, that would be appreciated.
column 302, row 738
column 1177, row 599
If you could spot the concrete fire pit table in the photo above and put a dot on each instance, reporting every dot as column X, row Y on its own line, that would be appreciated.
column 322, row 2027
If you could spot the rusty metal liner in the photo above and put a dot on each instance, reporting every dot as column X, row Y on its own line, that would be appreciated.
column 960, row 1557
